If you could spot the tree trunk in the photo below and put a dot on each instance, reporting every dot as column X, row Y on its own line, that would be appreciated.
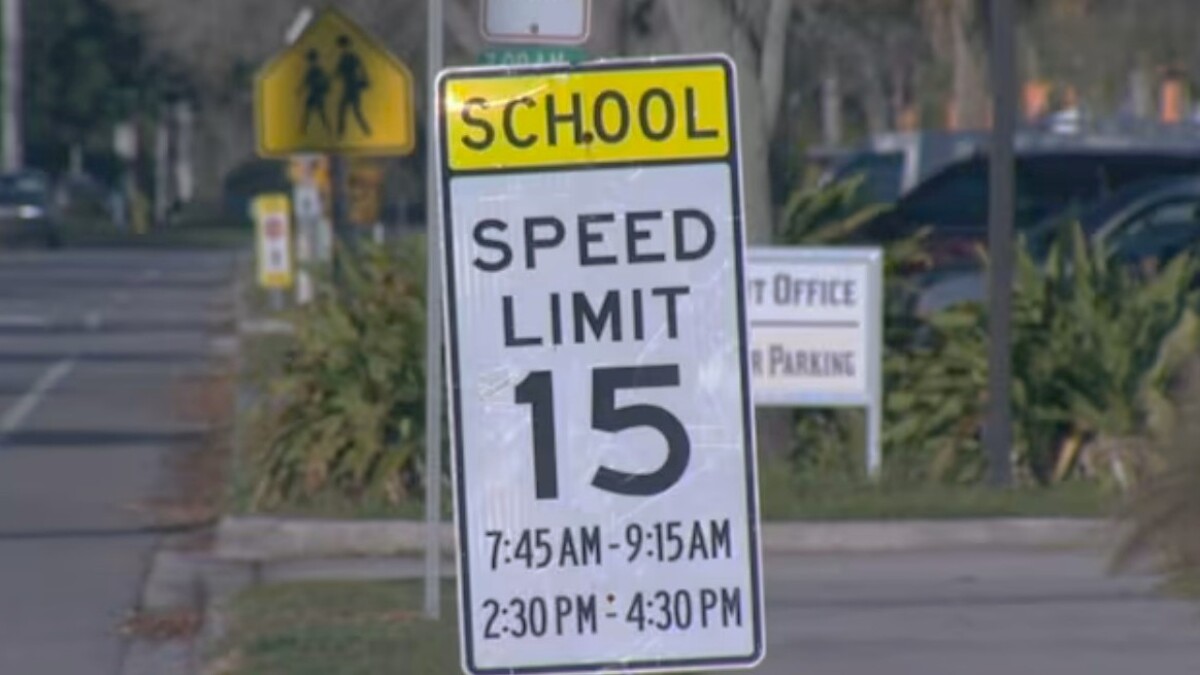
column 970, row 81
column 184, row 171
column 875, row 104
column 710, row 26
column 1141, row 94
column 831, row 107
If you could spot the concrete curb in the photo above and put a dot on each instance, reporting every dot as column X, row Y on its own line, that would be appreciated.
column 266, row 538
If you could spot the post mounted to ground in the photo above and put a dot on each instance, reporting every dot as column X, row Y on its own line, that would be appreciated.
column 338, row 177
column 433, row 326
column 998, row 427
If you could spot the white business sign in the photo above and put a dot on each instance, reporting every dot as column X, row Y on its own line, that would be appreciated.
column 606, row 496
column 536, row 21
column 816, row 325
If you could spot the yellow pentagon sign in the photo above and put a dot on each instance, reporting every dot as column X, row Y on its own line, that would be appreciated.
column 335, row 89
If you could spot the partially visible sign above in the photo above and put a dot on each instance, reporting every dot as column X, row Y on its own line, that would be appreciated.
column 536, row 21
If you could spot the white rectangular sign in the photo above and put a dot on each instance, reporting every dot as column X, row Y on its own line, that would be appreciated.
column 816, row 319
column 606, row 496
column 536, row 21
column 816, row 326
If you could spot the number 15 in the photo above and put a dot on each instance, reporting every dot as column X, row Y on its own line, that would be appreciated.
column 537, row 390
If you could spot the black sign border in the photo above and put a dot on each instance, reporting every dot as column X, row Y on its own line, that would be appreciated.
column 453, row 381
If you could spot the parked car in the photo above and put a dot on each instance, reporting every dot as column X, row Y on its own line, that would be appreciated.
column 26, row 210
column 1049, row 183
column 890, row 165
column 1144, row 223
column 1141, row 225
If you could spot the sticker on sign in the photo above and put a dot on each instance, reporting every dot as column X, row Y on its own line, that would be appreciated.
column 606, row 495
column 536, row 21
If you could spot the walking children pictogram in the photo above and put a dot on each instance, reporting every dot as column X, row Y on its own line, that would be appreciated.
column 354, row 80
column 314, row 89
column 335, row 89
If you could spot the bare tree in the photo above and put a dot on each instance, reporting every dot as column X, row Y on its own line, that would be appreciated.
column 754, row 35
column 954, row 28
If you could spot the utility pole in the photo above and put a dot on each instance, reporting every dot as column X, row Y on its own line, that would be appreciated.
column 998, row 436
column 433, row 325
column 11, row 135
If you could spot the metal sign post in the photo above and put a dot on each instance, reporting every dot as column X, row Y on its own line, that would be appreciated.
column 998, row 433
column 433, row 329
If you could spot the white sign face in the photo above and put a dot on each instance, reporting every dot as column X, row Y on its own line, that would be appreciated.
column 537, row 21
column 816, row 325
column 606, row 498
column 307, row 199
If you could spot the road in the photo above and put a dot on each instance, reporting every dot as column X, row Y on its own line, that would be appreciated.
column 93, row 347
column 976, row 613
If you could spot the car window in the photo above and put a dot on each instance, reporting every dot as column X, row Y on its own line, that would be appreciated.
column 882, row 174
column 1158, row 224
column 956, row 198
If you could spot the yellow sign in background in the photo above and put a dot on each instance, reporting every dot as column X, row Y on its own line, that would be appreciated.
column 603, row 116
column 335, row 89
column 273, row 232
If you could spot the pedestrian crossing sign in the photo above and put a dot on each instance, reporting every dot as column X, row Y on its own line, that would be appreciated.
column 335, row 89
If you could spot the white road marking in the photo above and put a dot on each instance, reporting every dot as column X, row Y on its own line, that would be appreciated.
column 23, row 321
column 15, row 416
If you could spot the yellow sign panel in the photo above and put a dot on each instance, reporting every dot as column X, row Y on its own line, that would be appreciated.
column 598, row 115
column 335, row 89
column 273, row 229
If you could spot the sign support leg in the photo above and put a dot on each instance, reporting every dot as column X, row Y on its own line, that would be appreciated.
column 338, row 177
column 433, row 329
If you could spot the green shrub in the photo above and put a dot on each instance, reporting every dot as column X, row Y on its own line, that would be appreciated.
column 1095, row 346
column 348, row 410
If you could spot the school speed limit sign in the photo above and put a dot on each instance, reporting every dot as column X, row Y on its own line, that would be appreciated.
column 606, row 495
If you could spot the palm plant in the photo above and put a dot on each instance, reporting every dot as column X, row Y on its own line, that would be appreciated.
column 348, row 408
column 1097, row 346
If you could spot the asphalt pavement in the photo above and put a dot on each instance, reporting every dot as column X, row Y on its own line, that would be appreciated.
column 94, row 346
column 984, row 612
